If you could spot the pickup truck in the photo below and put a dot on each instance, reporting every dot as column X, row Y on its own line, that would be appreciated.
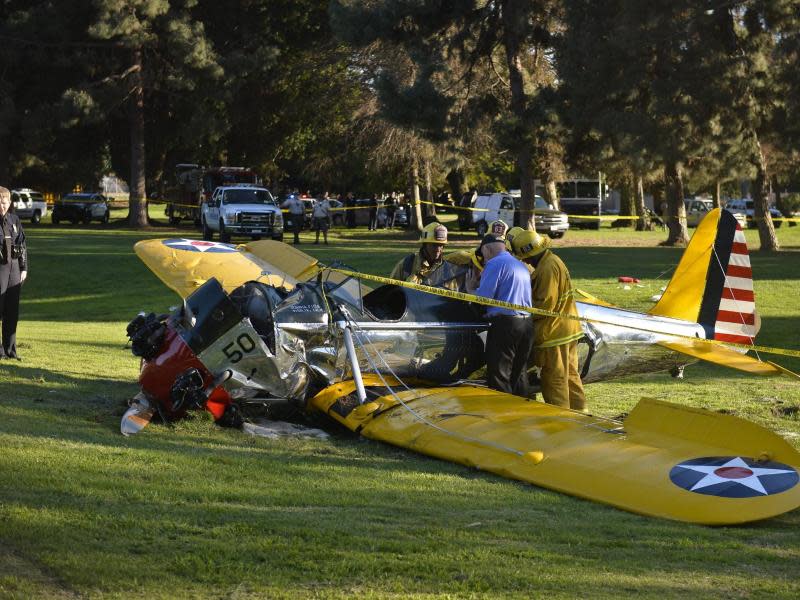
column 505, row 206
column 29, row 204
column 246, row 210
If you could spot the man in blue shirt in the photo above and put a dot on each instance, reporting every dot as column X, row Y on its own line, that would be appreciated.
column 508, row 342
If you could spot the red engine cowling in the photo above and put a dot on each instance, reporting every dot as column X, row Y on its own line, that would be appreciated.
column 158, row 375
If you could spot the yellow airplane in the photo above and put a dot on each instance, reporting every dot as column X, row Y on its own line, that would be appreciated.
column 264, row 323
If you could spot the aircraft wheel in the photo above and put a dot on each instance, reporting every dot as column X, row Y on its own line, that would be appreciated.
column 224, row 236
column 37, row 217
column 208, row 235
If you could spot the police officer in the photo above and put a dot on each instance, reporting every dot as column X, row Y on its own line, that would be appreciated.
column 13, row 272
column 508, row 341
column 427, row 266
column 297, row 210
column 555, row 340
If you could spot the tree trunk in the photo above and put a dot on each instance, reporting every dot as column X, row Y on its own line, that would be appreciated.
column 551, row 191
column 416, row 214
column 429, row 208
column 4, row 157
column 455, row 179
column 513, row 22
column 137, row 215
column 644, row 223
column 766, row 229
column 785, row 211
column 718, row 194
column 627, row 202
column 676, row 218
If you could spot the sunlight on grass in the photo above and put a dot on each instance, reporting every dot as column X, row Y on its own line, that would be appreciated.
column 192, row 510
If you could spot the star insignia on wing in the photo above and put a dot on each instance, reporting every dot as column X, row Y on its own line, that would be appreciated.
column 733, row 477
column 198, row 245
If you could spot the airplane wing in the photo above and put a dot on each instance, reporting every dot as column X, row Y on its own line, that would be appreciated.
column 727, row 357
column 665, row 460
column 184, row 265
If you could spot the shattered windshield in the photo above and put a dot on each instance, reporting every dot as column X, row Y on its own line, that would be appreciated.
column 343, row 288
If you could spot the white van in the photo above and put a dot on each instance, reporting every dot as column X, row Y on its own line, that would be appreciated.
column 505, row 206
column 29, row 204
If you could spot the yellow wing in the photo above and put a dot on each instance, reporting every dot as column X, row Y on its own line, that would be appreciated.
column 654, row 463
column 184, row 264
column 726, row 357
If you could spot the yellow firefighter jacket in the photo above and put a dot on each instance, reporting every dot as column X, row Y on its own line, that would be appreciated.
column 416, row 269
column 552, row 291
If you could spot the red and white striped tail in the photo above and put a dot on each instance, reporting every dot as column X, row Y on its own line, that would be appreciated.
column 736, row 318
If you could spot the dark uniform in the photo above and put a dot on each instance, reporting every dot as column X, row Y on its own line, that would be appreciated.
column 13, row 261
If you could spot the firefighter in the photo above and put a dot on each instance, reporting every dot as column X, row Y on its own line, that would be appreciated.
column 427, row 266
column 510, row 235
column 555, row 340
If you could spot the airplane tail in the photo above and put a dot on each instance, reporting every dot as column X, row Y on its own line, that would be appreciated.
column 713, row 284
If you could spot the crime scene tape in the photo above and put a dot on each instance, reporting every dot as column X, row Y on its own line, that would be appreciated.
column 546, row 313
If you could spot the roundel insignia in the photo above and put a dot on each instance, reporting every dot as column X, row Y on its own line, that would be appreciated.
column 198, row 245
column 733, row 477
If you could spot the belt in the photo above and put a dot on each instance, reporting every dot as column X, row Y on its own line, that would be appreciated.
column 509, row 317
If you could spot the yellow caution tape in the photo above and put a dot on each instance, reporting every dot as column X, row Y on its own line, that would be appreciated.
column 546, row 313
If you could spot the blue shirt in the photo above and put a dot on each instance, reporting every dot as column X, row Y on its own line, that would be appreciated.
column 505, row 278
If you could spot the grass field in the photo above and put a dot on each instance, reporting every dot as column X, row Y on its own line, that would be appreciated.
column 192, row 510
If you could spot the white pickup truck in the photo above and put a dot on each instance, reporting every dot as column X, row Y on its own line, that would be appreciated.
column 246, row 210
column 29, row 204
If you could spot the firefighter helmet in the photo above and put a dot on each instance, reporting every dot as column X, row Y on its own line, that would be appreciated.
column 510, row 235
column 529, row 244
column 434, row 233
column 498, row 228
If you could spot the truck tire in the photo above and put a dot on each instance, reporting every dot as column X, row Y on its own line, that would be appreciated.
column 208, row 235
column 224, row 236
column 36, row 217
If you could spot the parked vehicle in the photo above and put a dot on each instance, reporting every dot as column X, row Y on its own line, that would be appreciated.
column 698, row 208
column 745, row 205
column 581, row 199
column 506, row 206
column 29, row 204
column 338, row 217
column 195, row 184
column 81, row 208
column 246, row 210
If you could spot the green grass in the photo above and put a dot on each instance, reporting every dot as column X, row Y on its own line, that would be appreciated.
column 197, row 511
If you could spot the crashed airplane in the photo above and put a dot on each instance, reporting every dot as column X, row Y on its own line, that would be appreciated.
column 265, row 323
